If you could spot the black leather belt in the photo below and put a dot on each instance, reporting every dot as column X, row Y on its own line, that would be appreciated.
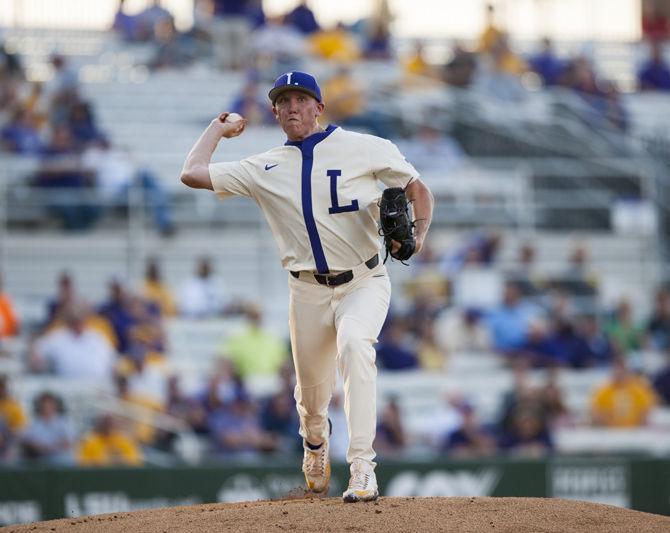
column 342, row 277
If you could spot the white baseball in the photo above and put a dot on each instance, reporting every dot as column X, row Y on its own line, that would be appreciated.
column 233, row 117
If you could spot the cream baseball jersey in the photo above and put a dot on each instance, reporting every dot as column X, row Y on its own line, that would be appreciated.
column 319, row 195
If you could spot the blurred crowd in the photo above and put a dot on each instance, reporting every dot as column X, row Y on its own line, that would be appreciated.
column 459, row 304
column 54, row 123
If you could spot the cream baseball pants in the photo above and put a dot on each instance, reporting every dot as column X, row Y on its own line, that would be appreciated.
column 336, row 328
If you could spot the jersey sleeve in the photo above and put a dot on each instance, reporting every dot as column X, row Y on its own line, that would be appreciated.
column 389, row 165
column 232, row 178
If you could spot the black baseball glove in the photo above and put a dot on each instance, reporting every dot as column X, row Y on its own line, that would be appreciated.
column 396, row 224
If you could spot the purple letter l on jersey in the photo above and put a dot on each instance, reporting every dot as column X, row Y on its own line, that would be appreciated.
column 336, row 207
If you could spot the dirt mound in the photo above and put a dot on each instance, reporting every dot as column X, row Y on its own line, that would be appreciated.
column 387, row 514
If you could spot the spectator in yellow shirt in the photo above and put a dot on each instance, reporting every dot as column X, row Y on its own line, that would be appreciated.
column 336, row 44
column 107, row 445
column 625, row 401
column 491, row 34
column 156, row 292
column 10, row 409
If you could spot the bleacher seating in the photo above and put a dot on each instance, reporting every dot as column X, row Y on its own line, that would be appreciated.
column 158, row 116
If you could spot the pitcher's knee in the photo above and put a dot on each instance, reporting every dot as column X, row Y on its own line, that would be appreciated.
column 355, row 351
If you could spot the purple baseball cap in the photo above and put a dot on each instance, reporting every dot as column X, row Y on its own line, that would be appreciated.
column 295, row 81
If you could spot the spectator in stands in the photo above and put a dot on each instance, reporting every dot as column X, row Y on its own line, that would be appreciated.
column 131, row 318
column 237, row 431
column 126, row 26
column 156, row 291
column 11, row 412
column 525, row 273
column 335, row 44
column 202, row 295
column 279, row 47
column 624, row 401
column 251, row 104
column 172, row 49
column 615, row 111
column 75, row 351
column 81, row 123
column 578, row 279
column 508, row 324
column 65, row 297
column 390, row 439
column 461, row 68
column 625, row 335
column 149, row 18
column 556, row 410
column 526, row 435
column 61, row 172
column 662, row 381
column 655, row 22
column 525, row 421
column 538, row 350
column 462, row 331
column 222, row 387
column 546, row 64
column 21, row 134
column 10, row 65
column 393, row 352
column 431, row 150
column 429, row 352
column 256, row 351
column 65, row 81
column 143, row 386
column 491, row 34
column 49, row 436
column 658, row 325
column 598, row 350
column 201, row 31
column 470, row 439
column 348, row 105
column 604, row 108
column 567, row 345
column 108, row 445
column 183, row 407
column 417, row 69
column 654, row 75
column 9, row 322
column 231, row 29
column 377, row 44
column 501, row 76
column 117, row 177
column 303, row 19
column 279, row 419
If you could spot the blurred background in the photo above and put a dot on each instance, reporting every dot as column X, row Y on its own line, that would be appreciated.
column 144, row 353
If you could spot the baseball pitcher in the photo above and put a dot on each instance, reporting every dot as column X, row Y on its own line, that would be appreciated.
column 319, row 193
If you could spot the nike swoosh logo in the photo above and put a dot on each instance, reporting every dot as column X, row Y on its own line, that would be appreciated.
column 268, row 167
column 379, row 276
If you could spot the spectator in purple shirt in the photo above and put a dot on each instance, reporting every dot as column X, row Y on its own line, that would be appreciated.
column 20, row 135
column 392, row 351
column 655, row 72
column 546, row 65
column 302, row 17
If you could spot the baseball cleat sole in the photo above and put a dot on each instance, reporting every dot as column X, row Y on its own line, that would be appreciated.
column 360, row 496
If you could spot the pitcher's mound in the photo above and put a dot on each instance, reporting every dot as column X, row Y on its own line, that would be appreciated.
column 387, row 515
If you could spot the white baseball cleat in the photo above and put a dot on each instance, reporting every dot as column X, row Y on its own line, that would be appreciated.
column 362, row 484
column 316, row 467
